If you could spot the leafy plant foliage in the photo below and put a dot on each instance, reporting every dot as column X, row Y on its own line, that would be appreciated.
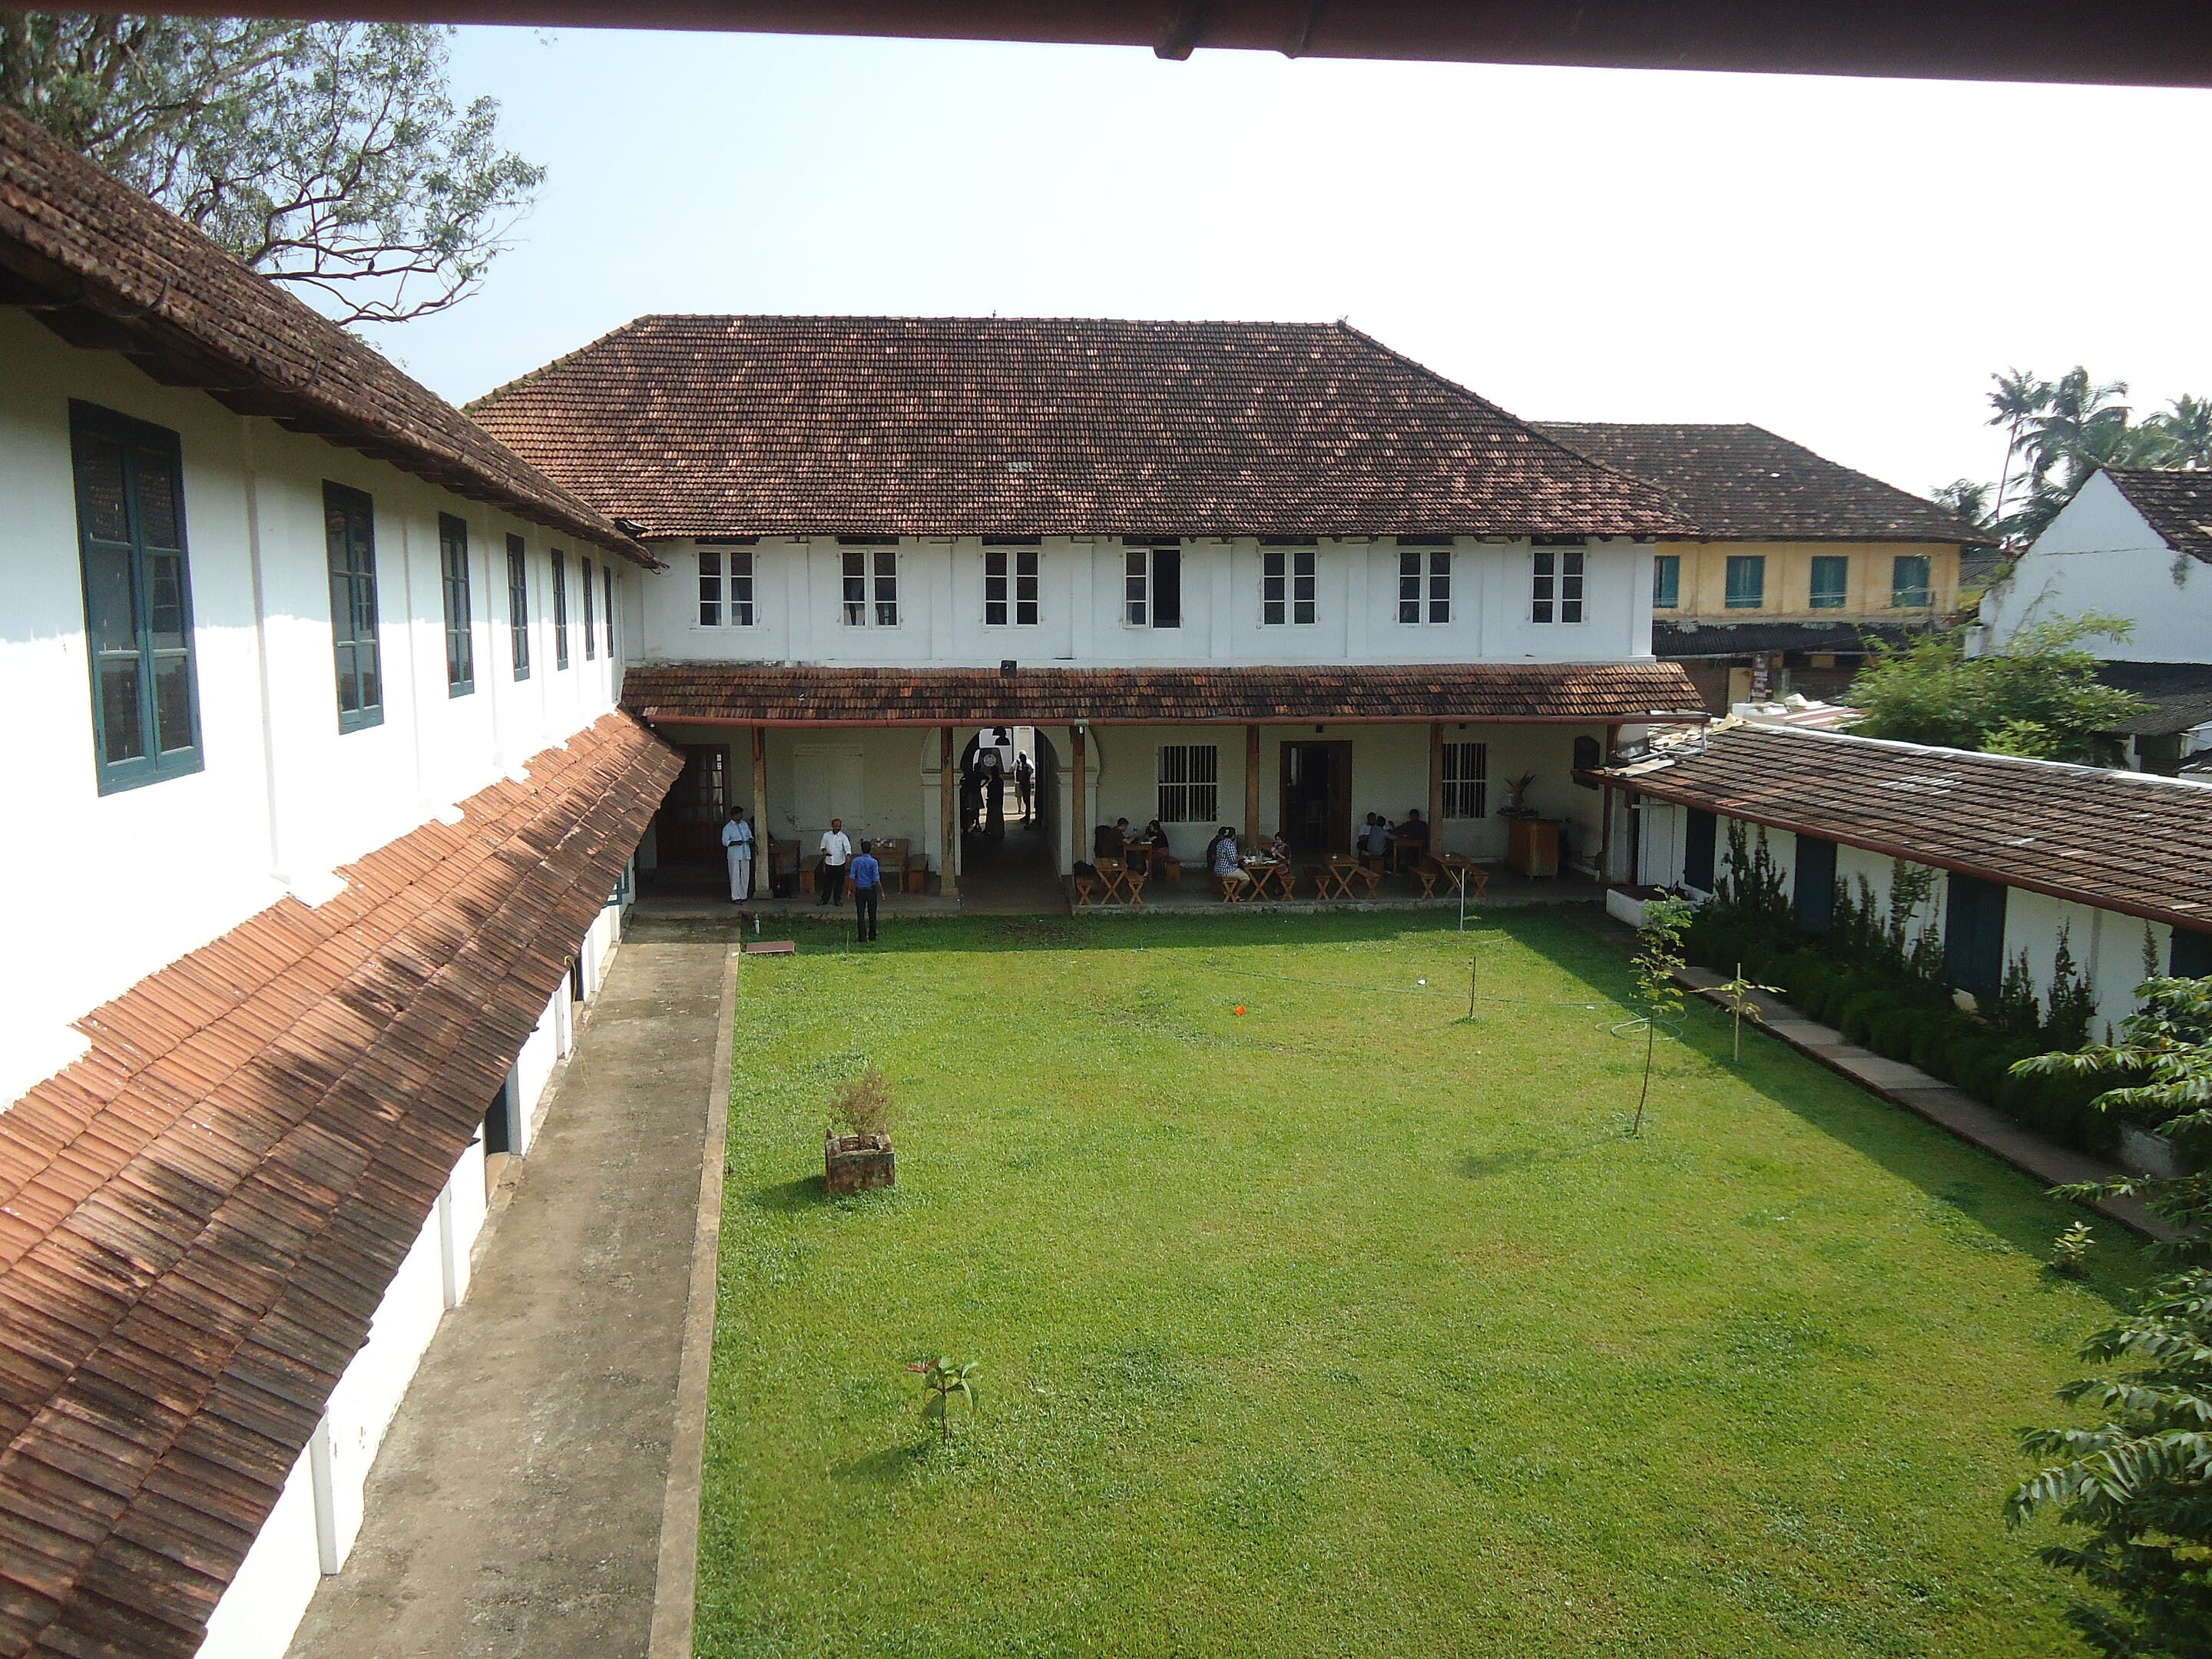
column 2135, row 1490
column 864, row 1105
column 329, row 156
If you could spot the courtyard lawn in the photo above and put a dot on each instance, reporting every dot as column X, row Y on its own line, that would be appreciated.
column 1346, row 1326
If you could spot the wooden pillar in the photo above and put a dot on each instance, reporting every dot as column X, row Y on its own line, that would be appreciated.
column 948, row 813
column 1605, row 809
column 1251, row 829
column 1078, row 835
column 763, row 862
column 1436, row 786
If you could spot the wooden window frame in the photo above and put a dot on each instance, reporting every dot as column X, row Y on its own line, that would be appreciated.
column 1753, row 564
column 133, row 441
column 560, row 562
column 1011, row 590
column 1290, row 586
column 518, row 606
column 354, row 609
column 1900, row 594
column 1837, row 598
column 1557, row 586
column 454, row 584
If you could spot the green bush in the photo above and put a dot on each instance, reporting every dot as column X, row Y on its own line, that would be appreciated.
column 1895, row 1033
column 1860, row 1012
column 1983, row 1072
column 1943, row 1043
column 2059, row 1105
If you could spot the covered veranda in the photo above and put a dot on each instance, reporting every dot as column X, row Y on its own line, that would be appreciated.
column 1307, row 754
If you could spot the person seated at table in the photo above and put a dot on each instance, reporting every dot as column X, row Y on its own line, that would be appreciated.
column 1410, row 839
column 1375, row 838
column 1154, row 842
column 1222, row 859
column 1277, row 848
column 1111, row 840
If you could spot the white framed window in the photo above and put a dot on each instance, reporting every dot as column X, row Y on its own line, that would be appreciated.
column 871, row 586
column 1555, row 592
column 1190, row 783
column 1425, row 577
column 1009, row 586
column 725, row 587
column 1288, row 584
column 1151, row 584
column 1466, row 779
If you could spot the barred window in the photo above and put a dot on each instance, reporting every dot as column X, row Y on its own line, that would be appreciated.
column 1466, row 779
column 1009, row 586
column 1287, row 585
column 1424, row 567
column 1556, row 593
column 1190, row 783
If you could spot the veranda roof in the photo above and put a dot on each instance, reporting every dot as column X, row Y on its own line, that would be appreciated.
column 755, row 693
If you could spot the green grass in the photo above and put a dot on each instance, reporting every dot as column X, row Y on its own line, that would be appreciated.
column 1348, row 1326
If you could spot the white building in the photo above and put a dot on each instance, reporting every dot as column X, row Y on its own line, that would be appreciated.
column 2026, row 851
column 320, row 804
column 2135, row 542
column 1274, row 576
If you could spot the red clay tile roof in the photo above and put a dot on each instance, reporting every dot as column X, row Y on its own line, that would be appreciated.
column 2121, row 840
column 1010, row 426
column 1741, row 483
column 198, row 1217
column 749, row 693
column 2177, row 504
column 131, row 277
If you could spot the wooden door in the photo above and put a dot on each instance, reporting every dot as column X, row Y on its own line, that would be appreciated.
column 1315, row 797
column 692, row 818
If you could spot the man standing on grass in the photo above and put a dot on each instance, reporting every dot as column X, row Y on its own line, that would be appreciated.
column 836, row 853
column 867, row 888
column 738, row 845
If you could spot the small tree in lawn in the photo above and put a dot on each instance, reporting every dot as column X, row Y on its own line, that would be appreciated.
column 2136, row 1488
column 1736, row 995
column 940, row 1380
column 1658, row 959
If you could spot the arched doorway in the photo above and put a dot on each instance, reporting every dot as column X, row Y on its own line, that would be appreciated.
column 1008, row 833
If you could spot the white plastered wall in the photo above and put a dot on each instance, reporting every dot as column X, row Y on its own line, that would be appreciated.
column 2099, row 554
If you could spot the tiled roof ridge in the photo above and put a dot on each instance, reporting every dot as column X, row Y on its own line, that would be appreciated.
column 218, row 1195
column 64, row 203
column 2114, row 774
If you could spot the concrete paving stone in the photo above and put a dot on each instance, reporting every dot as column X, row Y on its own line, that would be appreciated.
column 515, row 1506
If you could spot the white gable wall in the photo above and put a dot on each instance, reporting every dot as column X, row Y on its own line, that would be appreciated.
column 2099, row 554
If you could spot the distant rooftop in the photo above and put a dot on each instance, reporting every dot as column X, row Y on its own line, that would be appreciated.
column 1742, row 483
column 2177, row 504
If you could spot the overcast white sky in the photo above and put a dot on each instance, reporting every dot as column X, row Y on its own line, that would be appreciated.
column 1842, row 261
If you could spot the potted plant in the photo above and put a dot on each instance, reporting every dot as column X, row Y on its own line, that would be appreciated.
column 856, row 1150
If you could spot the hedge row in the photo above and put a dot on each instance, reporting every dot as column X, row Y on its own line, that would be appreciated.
column 1912, row 1021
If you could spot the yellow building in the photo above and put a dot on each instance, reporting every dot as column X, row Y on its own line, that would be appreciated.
column 1802, row 565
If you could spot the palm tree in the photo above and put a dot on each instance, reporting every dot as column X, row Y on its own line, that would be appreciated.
column 2083, row 424
column 2018, row 397
column 1966, row 500
column 2184, row 433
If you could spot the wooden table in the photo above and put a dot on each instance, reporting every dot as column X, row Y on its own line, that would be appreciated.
column 1458, row 871
column 1532, row 846
column 1273, row 872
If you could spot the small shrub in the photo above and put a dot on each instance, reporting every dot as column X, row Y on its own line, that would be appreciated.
column 1984, row 1072
column 2069, row 1252
column 1896, row 1031
column 864, row 1105
column 1944, row 1042
column 2070, row 1002
column 2060, row 1104
column 2014, row 1010
column 1861, row 1012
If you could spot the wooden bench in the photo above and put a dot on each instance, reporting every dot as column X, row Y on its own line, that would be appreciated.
column 1232, row 891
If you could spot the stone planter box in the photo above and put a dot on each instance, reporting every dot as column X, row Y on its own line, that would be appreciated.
column 2148, row 1153
column 1628, row 904
column 850, row 1162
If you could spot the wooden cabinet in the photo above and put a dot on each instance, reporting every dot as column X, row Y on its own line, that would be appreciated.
column 1532, row 846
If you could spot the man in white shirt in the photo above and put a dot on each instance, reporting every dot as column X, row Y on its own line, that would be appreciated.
column 738, row 848
column 836, row 853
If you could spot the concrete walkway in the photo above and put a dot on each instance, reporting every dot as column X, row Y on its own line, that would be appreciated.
column 516, row 1505
column 1947, row 1107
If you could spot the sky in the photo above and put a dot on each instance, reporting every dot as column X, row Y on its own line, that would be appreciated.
column 1844, row 262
